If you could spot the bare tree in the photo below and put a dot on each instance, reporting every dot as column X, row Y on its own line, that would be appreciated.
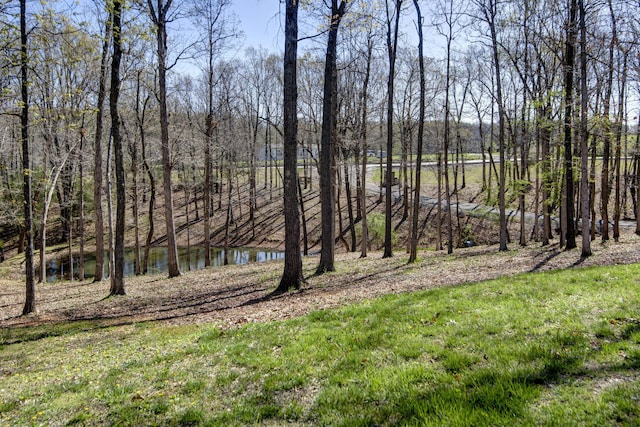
column 292, row 275
column 605, row 190
column 160, row 17
column 97, row 160
column 584, row 137
column 117, row 279
column 569, row 62
column 363, row 141
column 30, row 298
column 448, row 33
column 328, row 142
column 489, row 10
column 413, row 252
column 393, row 24
column 210, row 15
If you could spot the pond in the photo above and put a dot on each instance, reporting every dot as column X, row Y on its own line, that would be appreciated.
column 158, row 260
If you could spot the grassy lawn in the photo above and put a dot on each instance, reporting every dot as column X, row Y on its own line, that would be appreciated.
column 556, row 348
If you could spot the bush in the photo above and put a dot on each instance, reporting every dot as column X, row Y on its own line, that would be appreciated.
column 375, row 224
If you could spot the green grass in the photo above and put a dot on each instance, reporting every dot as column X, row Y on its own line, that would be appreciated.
column 551, row 349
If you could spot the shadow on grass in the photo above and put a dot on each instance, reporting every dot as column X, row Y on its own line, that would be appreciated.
column 553, row 253
column 480, row 395
column 123, row 311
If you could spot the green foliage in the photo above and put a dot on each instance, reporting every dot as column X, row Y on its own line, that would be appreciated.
column 466, row 234
column 520, row 186
column 375, row 227
column 557, row 348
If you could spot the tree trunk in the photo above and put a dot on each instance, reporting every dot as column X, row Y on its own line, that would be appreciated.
column 159, row 16
column 413, row 251
column 363, row 142
column 227, row 222
column 208, row 212
column 133, row 148
column 584, row 137
column 392, row 44
column 30, row 295
column 490, row 15
column 328, row 141
column 347, row 188
column 605, row 191
column 305, row 236
column 97, row 163
column 446, row 144
column 69, row 220
column 117, row 280
column 618, row 149
column 110, row 209
column 187, row 198
column 569, row 62
column 81, row 206
column 637, row 178
column 152, row 205
column 439, row 246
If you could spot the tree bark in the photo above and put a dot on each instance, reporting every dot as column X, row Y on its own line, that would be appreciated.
column 117, row 280
column 81, row 205
column 490, row 12
column 605, row 190
column 585, row 203
column 160, row 18
column 447, row 139
column 392, row 44
column 569, row 63
column 97, row 161
column 328, row 142
column 413, row 251
column 363, row 141
column 133, row 151
column 30, row 295
column 618, row 149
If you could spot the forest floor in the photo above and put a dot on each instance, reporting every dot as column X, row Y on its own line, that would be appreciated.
column 233, row 295
column 236, row 294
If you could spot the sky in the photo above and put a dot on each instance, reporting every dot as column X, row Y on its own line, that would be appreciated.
column 260, row 20
column 261, row 23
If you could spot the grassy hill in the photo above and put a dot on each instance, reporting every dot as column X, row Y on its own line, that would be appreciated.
column 558, row 347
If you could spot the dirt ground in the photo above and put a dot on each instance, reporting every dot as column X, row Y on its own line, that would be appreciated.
column 229, row 296
column 233, row 295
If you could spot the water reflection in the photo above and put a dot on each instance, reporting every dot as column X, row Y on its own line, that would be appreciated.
column 158, row 260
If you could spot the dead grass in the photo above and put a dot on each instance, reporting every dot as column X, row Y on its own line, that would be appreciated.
column 233, row 295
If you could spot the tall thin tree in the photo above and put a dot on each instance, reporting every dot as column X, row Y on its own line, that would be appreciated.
column 292, row 275
column 363, row 141
column 585, row 203
column 30, row 299
column 160, row 17
column 446, row 146
column 393, row 24
column 97, row 159
column 490, row 11
column 328, row 142
column 569, row 63
column 117, row 280
column 413, row 252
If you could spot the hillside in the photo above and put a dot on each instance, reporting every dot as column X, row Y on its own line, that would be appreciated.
column 234, row 295
column 543, row 348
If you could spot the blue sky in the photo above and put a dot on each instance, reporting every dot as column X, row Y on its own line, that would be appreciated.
column 261, row 22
